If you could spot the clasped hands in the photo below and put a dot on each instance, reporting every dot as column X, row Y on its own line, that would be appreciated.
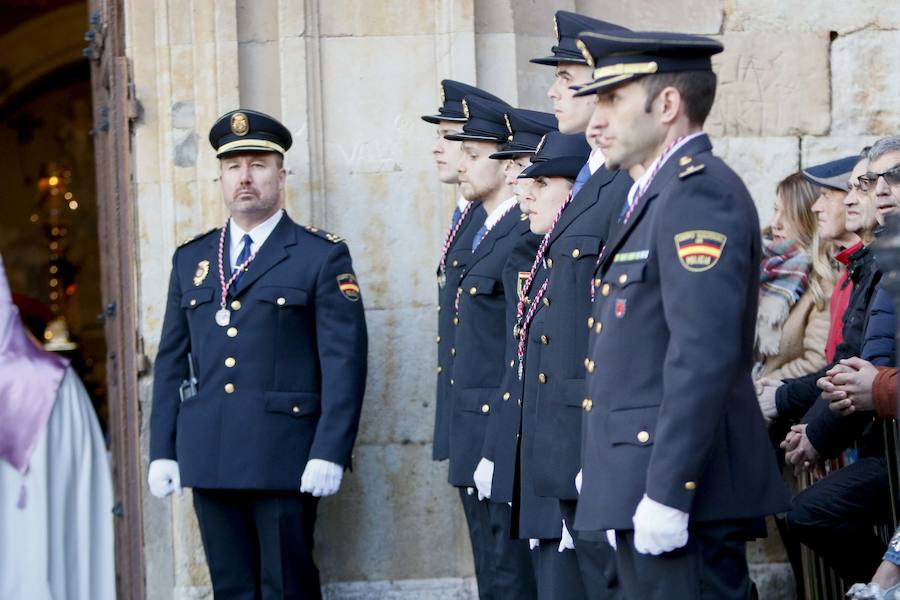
column 848, row 386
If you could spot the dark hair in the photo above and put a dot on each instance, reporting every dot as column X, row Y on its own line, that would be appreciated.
column 697, row 89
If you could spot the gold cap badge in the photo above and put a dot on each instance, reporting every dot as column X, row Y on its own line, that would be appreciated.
column 466, row 109
column 585, row 53
column 540, row 144
column 556, row 28
column 239, row 124
column 443, row 95
column 508, row 127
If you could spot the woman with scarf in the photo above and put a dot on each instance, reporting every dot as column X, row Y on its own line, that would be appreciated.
column 797, row 277
column 56, row 496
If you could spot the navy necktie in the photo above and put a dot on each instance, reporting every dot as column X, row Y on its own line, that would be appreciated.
column 243, row 256
column 583, row 175
column 456, row 215
column 479, row 235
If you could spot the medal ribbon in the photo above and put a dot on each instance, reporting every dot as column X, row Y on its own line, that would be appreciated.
column 237, row 270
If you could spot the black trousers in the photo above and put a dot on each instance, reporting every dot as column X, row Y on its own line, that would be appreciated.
column 712, row 566
column 596, row 560
column 835, row 517
column 503, row 566
column 259, row 543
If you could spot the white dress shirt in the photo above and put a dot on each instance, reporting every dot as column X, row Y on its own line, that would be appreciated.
column 258, row 234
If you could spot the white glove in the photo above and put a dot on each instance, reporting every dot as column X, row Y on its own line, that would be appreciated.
column 767, row 404
column 870, row 591
column 566, row 542
column 164, row 478
column 658, row 528
column 533, row 543
column 321, row 478
column 611, row 538
column 484, row 476
column 578, row 482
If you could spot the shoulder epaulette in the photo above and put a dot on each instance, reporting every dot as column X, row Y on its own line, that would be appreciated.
column 331, row 237
column 690, row 171
column 197, row 237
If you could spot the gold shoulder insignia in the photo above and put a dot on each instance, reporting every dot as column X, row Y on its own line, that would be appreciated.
column 691, row 170
column 523, row 217
column 325, row 235
column 197, row 237
column 685, row 160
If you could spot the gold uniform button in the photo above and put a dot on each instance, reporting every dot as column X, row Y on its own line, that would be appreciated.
column 586, row 361
column 229, row 388
column 485, row 408
column 505, row 396
column 194, row 302
column 545, row 340
column 597, row 283
column 690, row 486
column 549, row 263
column 542, row 377
column 643, row 437
column 590, row 322
column 231, row 332
column 590, row 366
column 587, row 405
column 451, row 382
column 440, row 369
column 230, row 362
column 295, row 410
column 235, row 305
column 456, row 320
column 623, row 278
column 473, row 290
column 280, row 301
column 437, row 339
column 598, row 327
column 546, row 301
column 605, row 290
column 576, row 253
column 455, row 263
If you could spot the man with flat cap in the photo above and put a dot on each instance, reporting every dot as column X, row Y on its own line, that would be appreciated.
column 259, row 379
column 479, row 346
column 675, row 455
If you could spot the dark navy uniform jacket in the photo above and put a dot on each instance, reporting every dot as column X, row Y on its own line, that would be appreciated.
column 671, row 410
column 501, row 440
column 575, row 243
column 480, row 344
column 458, row 257
column 282, row 383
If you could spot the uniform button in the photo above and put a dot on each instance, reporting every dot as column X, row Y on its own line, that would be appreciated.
column 439, row 369
column 597, row 282
column 295, row 409
column 455, row 263
column 575, row 253
column 438, row 307
column 194, row 302
column 590, row 322
column 587, row 359
column 546, row 301
column 229, row 388
column 549, row 263
column 230, row 362
column 505, row 396
column 512, row 362
column 587, row 404
column 598, row 327
column 280, row 301
column 605, row 290
column 452, row 351
column 690, row 486
column 235, row 305
column 473, row 290
column 623, row 278
column 451, row 382
column 231, row 332
column 437, row 339
column 520, row 402
column 643, row 437
column 542, row 377
column 456, row 320
column 590, row 366
column 545, row 340
column 485, row 408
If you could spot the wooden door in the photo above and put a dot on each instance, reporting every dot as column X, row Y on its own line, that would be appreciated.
column 114, row 110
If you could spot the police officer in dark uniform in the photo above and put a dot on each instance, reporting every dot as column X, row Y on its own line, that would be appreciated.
column 259, row 379
column 479, row 347
column 675, row 453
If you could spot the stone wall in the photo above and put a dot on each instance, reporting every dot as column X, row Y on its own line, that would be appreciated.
column 799, row 82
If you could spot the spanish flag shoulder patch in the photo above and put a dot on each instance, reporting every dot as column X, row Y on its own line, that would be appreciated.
column 699, row 250
column 348, row 286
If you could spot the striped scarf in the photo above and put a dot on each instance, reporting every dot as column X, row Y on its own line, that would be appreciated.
column 784, row 276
